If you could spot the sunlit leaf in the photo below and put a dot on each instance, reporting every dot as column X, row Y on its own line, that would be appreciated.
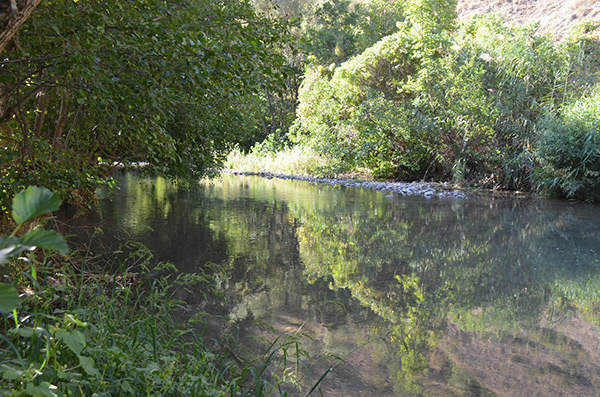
column 45, row 239
column 32, row 202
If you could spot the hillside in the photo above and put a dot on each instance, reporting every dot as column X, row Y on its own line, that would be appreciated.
column 556, row 17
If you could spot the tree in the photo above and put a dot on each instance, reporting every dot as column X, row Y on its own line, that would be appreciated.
column 12, row 15
column 340, row 29
column 164, row 83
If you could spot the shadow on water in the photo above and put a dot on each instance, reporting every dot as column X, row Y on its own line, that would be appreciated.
column 476, row 296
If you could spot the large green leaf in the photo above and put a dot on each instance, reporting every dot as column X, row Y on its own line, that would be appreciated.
column 45, row 239
column 9, row 298
column 87, row 363
column 74, row 340
column 32, row 202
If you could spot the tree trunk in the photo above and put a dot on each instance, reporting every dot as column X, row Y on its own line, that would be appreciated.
column 62, row 117
column 40, row 116
column 12, row 15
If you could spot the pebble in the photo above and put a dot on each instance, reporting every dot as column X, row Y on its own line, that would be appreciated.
column 425, row 189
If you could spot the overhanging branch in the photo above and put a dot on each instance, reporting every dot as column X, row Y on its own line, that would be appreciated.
column 17, row 14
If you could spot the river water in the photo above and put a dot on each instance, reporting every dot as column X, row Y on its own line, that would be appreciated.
column 399, row 295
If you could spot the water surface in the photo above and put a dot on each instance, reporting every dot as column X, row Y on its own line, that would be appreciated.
column 445, row 297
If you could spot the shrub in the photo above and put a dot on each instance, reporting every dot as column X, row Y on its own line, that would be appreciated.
column 460, row 105
column 569, row 149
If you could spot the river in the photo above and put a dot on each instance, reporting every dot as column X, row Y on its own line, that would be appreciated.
column 399, row 295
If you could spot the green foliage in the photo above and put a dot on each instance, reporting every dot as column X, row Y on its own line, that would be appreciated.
column 357, row 113
column 340, row 29
column 27, row 205
column 111, row 341
column 163, row 83
column 445, row 101
column 333, row 40
column 569, row 149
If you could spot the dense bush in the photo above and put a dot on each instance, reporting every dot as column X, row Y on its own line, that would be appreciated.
column 569, row 149
column 460, row 103
column 337, row 30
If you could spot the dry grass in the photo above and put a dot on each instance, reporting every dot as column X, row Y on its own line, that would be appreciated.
column 298, row 160
column 556, row 17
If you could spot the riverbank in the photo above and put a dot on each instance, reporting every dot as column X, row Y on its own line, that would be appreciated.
column 303, row 163
column 425, row 189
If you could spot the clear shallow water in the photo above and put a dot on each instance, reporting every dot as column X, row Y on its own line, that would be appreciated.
column 474, row 296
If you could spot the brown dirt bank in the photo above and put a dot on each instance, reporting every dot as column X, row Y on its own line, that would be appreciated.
column 556, row 17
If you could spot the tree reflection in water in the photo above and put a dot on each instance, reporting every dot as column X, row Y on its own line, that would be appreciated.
column 470, row 297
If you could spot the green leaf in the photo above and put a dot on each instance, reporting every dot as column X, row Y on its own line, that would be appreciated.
column 6, row 241
column 87, row 363
column 74, row 340
column 126, row 387
column 6, row 254
column 10, row 373
column 44, row 389
column 9, row 248
column 9, row 297
column 32, row 202
column 45, row 239
column 27, row 332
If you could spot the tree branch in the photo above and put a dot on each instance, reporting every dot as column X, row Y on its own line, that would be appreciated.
column 13, row 7
column 16, row 20
column 11, row 111
column 9, row 61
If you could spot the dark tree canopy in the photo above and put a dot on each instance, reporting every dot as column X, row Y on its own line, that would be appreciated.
column 89, row 84
column 13, row 14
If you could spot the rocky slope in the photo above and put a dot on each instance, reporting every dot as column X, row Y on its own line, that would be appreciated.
column 555, row 17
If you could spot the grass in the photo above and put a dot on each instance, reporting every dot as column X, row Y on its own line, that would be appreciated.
column 109, row 335
column 297, row 160
column 113, row 334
